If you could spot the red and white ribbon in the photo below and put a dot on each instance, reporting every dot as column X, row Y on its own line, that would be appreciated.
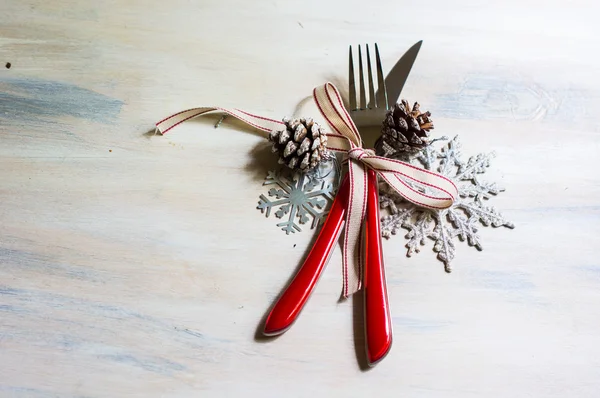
column 410, row 181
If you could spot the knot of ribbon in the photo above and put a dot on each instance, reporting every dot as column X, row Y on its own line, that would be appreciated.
column 420, row 186
column 358, row 153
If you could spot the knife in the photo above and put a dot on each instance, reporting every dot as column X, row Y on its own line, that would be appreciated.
column 378, row 320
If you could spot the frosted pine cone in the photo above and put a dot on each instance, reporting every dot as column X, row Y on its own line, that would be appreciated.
column 301, row 145
column 404, row 130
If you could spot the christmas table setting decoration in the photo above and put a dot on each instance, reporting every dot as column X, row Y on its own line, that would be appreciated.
column 433, row 194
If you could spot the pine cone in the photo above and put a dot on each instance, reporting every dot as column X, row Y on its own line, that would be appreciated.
column 301, row 145
column 404, row 130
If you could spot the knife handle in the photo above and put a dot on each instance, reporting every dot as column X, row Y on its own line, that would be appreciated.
column 378, row 320
column 295, row 296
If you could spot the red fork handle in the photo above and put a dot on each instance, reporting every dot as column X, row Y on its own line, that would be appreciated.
column 295, row 296
column 378, row 321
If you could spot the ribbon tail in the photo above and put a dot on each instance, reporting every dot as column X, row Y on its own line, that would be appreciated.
column 351, row 264
column 352, row 259
column 259, row 122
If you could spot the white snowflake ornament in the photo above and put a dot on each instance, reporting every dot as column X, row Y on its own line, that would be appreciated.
column 298, row 197
column 461, row 221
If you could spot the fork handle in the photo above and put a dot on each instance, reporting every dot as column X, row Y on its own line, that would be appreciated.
column 295, row 296
column 378, row 320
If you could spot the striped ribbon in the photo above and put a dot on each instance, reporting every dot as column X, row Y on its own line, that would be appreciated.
column 419, row 186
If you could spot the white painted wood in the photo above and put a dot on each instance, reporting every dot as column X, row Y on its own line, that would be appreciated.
column 137, row 265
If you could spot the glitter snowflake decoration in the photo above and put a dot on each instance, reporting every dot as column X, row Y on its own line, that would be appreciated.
column 461, row 220
column 298, row 197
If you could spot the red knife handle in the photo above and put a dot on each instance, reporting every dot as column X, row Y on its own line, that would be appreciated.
column 378, row 321
column 291, row 302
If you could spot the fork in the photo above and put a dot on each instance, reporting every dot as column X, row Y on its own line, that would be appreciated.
column 368, row 111
column 378, row 321
column 377, row 315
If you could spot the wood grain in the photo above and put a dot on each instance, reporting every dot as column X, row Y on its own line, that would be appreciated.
column 138, row 265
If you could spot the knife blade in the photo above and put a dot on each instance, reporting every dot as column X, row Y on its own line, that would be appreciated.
column 395, row 80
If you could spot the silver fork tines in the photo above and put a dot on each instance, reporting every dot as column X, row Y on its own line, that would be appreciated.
column 371, row 110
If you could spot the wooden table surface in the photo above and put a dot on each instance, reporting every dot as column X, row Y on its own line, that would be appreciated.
column 137, row 265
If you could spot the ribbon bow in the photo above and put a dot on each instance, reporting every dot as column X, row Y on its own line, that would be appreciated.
column 419, row 186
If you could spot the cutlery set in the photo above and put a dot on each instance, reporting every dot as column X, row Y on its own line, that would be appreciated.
column 301, row 143
column 365, row 110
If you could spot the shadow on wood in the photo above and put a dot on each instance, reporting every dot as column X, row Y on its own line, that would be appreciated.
column 262, row 161
column 358, row 322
